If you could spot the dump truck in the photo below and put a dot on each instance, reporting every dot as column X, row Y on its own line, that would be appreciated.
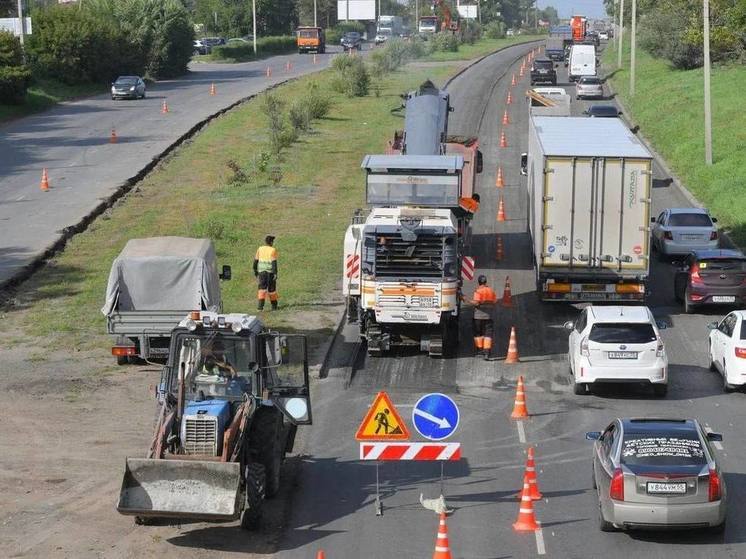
column 403, row 258
column 310, row 39
column 589, row 198
column 152, row 284
column 230, row 400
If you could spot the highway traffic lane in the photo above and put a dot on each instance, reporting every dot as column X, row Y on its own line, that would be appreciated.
column 71, row 140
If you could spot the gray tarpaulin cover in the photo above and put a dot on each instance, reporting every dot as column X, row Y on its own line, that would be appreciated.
column 164, row 273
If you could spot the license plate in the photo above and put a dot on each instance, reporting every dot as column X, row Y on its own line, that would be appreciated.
column 622, row 355
column 691, row 237
column 593, row 296
column 426, row 301
column 723, row 299
column 662, row 488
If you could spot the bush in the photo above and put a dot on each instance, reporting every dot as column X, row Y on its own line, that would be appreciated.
column 265, row 45
column 471, row 32
column 318, row 104
column 11, row 53
column 352, row 76
column 494, row 30
column 395, row 54
column 171, row 36
column 445, row 42
column 14, row 81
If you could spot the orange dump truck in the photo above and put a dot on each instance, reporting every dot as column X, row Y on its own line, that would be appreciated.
column 311, row 39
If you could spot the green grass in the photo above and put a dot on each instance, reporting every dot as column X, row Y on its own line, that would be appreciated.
column 669, row 107
column 47, row 92
column 481, row 47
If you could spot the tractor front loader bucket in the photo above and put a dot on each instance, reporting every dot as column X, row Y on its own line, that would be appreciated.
column 181, row 489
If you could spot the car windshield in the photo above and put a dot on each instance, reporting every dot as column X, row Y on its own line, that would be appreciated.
column 590, row 81
column 308, row 34
column 622, row 333
column 661, row 448
column 689, row 220
column 126, row 81
column 543, row 64
column 352, row 36
column 732, row 264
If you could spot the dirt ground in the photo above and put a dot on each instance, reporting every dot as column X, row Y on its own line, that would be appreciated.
column 68, row 421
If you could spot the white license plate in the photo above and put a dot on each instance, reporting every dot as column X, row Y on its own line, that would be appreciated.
column 723, row 299
column 427, row 301
column 691, row 237
column 622, row 355
column 663, row 488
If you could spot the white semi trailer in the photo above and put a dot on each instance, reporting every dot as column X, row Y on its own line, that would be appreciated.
column 589, row 189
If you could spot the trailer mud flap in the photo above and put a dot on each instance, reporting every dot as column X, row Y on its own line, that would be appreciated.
column 181, row 489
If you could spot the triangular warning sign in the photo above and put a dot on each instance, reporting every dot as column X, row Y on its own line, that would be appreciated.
column 382, row 422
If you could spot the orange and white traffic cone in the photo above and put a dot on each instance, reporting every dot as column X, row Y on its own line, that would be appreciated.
column 213, row 91
column 501, row 210
column 512, row 81
column 268, row 73
column 519, row 408
column 530, row 476
column 113, row 137
column 526, row 521
column 506, row 118
column 503, row 140
column 288, row 66
column 44, row 185
column 512, row 358
column 507, row 300
column 510, row 99
column 164, row 108
column 521, row 71
column 499, row 182
column 320, row 554
column 442, row 548
column 499, row 252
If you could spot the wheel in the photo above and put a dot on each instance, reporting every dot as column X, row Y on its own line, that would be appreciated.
column 660, row 390
column 254, row 487
column 143, row 95
column 144, row 521
column 113, row 98
column 123, row 360
column 726, row 387
column 603, row 525
column 267, row 437
column 593, row 477
column 688, row 307
column 713, row 367
column 580, row 388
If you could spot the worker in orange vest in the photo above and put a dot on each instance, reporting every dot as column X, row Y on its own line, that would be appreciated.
column 484, row 302
column 265, row 270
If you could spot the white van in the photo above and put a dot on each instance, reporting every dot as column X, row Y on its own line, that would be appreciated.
column 582, row 61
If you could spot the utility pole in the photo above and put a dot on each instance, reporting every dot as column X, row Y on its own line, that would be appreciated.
column 417, row 15
column 621, row 35
column 314, row 14
column 21, row 24
column 632, row 50
column 253, row 22
column 708, row 108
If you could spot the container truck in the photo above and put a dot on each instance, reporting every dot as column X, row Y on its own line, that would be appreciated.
column 589, row 191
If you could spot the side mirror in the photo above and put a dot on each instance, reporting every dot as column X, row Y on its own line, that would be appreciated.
column 714, row 219
column 226, row 274
column 480, row 162
column 712, row 326
column 524, row 164
column 569, row 325
column 661, row 324
column 586, row 113
column 714, row 437
column 592, row 435
column 653, row 220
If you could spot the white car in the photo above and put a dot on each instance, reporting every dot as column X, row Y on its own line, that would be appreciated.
column 679, row 231
column 617, row 344
column 728, row 349
column 603, row 36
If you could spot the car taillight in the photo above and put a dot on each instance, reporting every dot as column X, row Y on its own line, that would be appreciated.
column 694, row 276
column 668, row 235
column 714, row 236
column 741, row 352
column 616, row 490
column 584, row 347
column 660, row 350
column 714, row 492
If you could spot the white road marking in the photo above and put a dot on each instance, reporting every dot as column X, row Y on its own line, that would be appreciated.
column 20, row 198
column 540, row 548
column 521, row 432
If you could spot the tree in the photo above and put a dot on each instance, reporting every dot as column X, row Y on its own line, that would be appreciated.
column 549, row 14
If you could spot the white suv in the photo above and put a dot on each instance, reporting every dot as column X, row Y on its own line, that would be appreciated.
column 617, row 344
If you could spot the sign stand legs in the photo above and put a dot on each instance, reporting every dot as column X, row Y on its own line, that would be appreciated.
column 379, row 504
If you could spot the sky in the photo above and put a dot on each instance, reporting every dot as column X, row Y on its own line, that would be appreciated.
column 567, row 8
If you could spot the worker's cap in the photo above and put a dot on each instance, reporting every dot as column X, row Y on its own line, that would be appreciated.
column 482, row 280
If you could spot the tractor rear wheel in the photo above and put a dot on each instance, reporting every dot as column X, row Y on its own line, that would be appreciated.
column 255, row 482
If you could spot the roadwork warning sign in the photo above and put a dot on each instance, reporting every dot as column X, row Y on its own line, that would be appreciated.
column 382, row 422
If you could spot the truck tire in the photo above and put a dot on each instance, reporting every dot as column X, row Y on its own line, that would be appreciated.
column 123, row 360
column 268, row 439
column 255, row 483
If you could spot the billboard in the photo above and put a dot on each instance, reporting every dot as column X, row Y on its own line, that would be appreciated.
column 467, row 12
column 356, row 10
column 13, row 24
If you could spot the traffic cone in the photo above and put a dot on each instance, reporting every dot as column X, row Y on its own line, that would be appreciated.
column 510, row 99
column 511, row 358
column 320, row 554
column 288, row 66
column 530, row 475
column 526, row 521
column 113, row 138
column 499, row 182
column 507, row 300
column 499, row 252
column 164, row 108
column 521, row 71
column 501, row 210
column 212, row 89
column 442, row 549
column 506, row 118
column 44, row 185
column 512, row 81
column 503, row 140
column 519, row 408
column 269, row 72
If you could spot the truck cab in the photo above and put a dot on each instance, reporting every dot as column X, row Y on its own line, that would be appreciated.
column 310, row 39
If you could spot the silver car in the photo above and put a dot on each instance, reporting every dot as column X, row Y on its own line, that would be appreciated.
column 657, row 474
column 128, row 87
column 589, row 86
column 683, row 230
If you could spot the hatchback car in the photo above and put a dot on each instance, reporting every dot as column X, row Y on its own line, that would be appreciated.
column 617, row 344
column 683, row 230
column 711, row 277
column 128, row 87
column 542, row 71
column 589, row 86
column 602, row 111
column 728, row 349
column 657, row 474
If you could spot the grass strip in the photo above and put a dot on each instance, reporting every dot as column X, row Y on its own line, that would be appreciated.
column 47, row 92
column 668, row 105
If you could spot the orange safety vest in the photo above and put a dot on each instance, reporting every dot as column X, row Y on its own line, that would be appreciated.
column 486, row 299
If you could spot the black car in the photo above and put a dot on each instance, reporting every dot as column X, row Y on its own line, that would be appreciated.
column 542, row 71
column 602, row 111
column 352, row 40
column 213, row 41
column 711, row 277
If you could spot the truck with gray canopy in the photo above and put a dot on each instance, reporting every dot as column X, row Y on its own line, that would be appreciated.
column 152, row 284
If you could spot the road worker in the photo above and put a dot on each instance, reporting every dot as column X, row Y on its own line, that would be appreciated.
column 484, row 302
column 265, row 270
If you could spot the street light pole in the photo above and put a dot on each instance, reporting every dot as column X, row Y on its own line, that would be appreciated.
column 253, row 22
column 621, row 35
column 314, row 14
column 708, row 108
column 632, row 50
column 21, row 24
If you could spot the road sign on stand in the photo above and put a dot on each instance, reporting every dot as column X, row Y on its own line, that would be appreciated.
column 382, row 422
column 435, row 416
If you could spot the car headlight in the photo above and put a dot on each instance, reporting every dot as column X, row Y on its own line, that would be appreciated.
column 132, row 88
column 112, row 89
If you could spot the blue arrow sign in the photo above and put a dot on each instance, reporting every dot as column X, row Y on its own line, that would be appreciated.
column 435, row 416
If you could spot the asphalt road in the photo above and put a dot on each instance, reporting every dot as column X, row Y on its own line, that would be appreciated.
column 72, row 142
column 333, row 507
